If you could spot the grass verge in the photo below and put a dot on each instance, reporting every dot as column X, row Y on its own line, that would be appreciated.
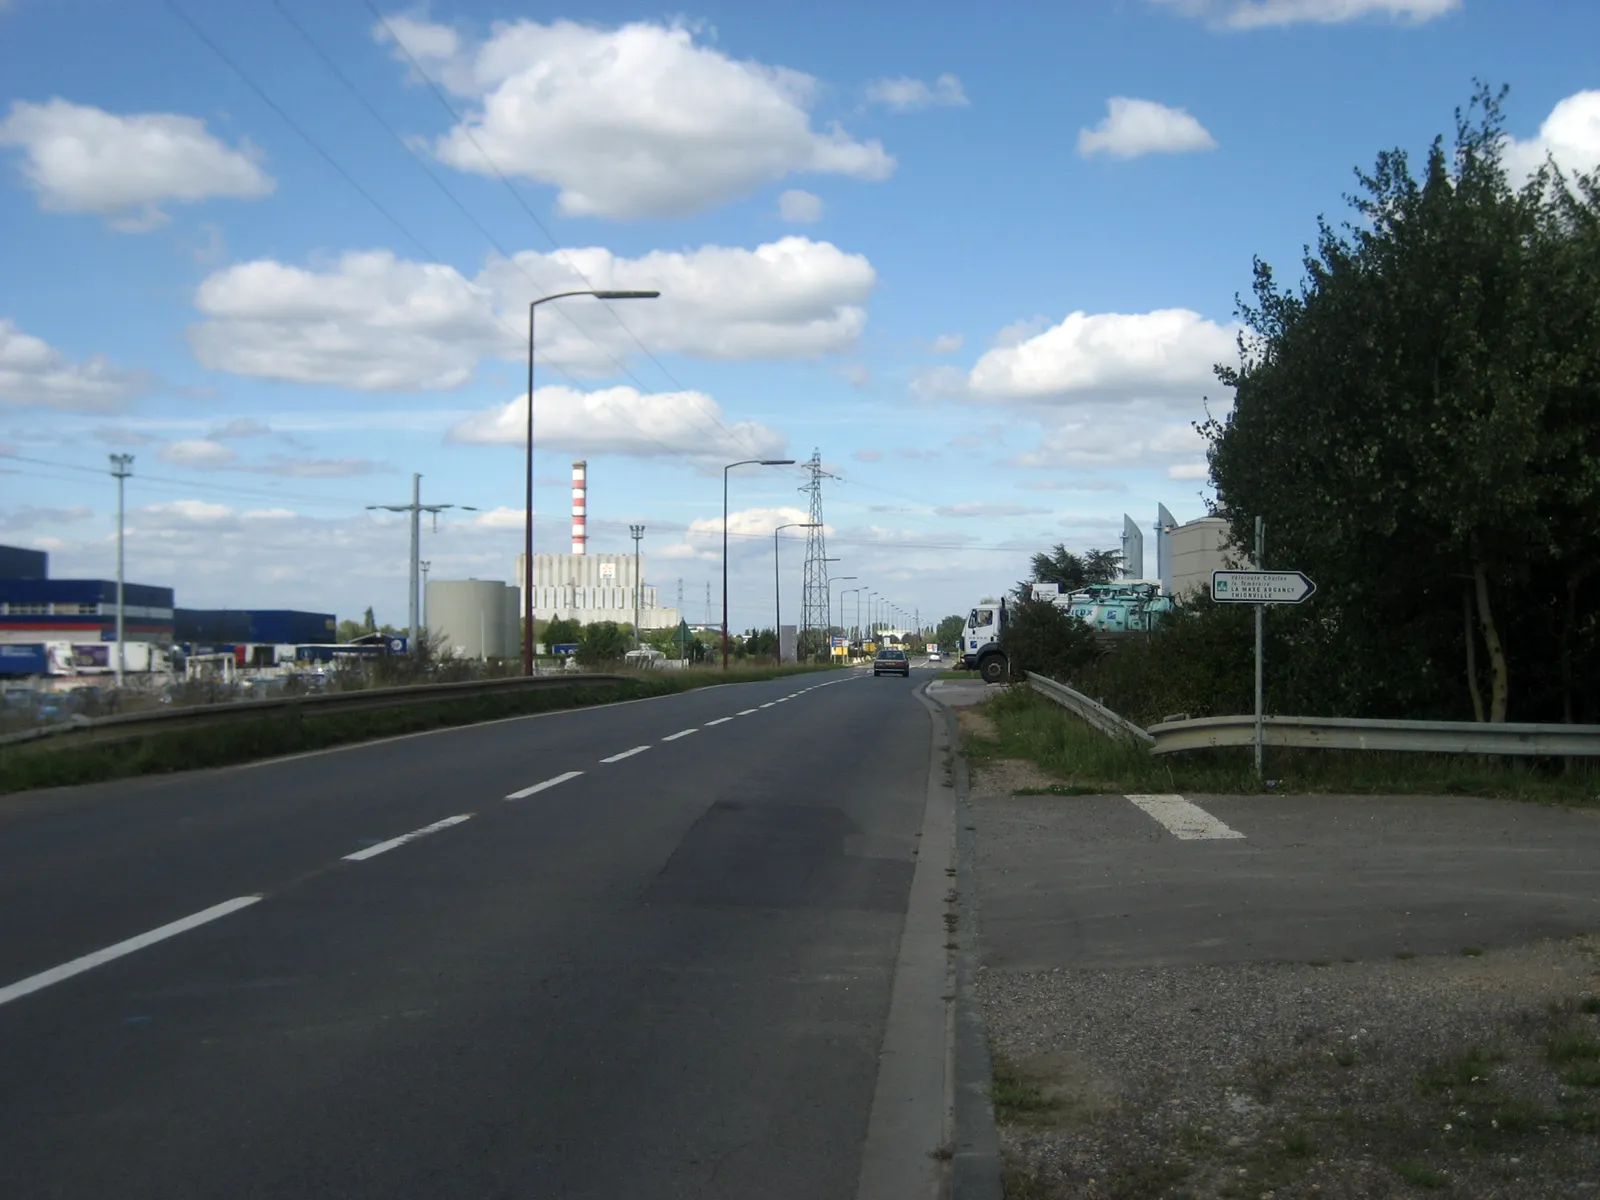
column 1086, row 761
column 39, row 765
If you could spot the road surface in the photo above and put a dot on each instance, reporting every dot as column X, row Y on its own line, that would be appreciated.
column 663, row 969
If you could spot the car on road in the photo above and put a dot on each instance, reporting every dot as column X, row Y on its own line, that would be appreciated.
column 934, row 656
column 891, row 661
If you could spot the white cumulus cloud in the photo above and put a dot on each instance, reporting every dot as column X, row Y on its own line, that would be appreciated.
column 946, row 343
column 636, row 121
column 800, row 207
column 1276, row 14
column 35, row 374
column 1132, row 128
column 1570, row 134
column 621, row 420
column 78, row 158
column 1168, row 353
column 903, row 94
column 197, row 452
column 373, row 321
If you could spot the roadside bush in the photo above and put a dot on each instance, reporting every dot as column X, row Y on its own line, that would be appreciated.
column 601, row 643
column 1047, row 640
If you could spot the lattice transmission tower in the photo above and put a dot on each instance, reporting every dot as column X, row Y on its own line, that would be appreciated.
column 814, row 612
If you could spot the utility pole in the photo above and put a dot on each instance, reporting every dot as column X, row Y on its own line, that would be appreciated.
column 121, row 468
column 416, row 508
column 815, row 596
column 425, row 564
column 1261, row 609
column 638, row 584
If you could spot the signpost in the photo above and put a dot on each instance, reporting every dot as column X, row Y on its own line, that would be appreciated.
column 1260, row 588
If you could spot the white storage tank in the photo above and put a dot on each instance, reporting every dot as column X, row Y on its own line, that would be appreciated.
column 477, row 618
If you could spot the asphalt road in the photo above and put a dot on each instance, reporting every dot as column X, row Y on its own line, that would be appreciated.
column 1099, row 881
column 667, row 976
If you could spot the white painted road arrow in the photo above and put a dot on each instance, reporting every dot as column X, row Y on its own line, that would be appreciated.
column 1260, row 587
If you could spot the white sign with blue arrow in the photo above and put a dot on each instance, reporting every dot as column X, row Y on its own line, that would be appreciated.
column 1260, row 587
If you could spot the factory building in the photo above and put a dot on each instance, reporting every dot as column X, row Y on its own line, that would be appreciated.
column 591, row 587
column 18, row 563
column 36, row 608
column 243, row 626
column 476, row 618
column 1187, row 554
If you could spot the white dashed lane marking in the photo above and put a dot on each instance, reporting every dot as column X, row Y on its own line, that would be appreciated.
column 548, row 783
column 393, row 843
column 625, row 754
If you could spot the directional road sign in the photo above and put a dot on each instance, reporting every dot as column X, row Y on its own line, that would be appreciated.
column 1260, row 587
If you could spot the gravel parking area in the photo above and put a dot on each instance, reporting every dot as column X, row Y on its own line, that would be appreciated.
column 1469, row 1074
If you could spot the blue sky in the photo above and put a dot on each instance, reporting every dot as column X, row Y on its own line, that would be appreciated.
column 982, row 265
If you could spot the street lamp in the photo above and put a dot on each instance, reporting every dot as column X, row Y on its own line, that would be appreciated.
column 638, row 583
column 856, row 632
column 527, row 527
column 777, row 585
column 743, row 462
column 831, row 582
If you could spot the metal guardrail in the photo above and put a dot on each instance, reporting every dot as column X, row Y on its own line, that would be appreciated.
column 129, row 725
column 1096, row 714
column 1531, row 740
column 1528, row 740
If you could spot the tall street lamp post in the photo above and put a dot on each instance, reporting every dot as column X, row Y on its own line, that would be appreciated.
column 121, row 468
column 777, row 583
column 856, row 631
column 743, row 462
column 831, row 582
column 638, row 583
column 527, row 527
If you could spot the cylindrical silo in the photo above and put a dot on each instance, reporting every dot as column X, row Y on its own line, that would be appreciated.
column 475, row 617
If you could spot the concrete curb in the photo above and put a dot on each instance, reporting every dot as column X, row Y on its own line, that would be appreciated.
column 975, row 1168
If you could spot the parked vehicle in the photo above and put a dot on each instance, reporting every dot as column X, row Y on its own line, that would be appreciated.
column 1122, row 606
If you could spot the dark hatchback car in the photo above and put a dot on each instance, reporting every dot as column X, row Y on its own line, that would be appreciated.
column 891, row 662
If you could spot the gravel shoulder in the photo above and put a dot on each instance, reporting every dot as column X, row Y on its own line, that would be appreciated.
column 1472, row 1074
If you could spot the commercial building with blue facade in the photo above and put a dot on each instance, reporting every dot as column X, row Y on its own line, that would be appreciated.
column 83, row 610
column 238, row 626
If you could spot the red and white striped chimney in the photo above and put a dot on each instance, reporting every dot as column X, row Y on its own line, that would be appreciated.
column 580, row 488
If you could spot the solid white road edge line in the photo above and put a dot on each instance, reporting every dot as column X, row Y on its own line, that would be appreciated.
column 625, row 754
column 385, row 847
column 548, row 783
column 672, row 737
column 718, row 721
column 78, row 965
column 1184, row 819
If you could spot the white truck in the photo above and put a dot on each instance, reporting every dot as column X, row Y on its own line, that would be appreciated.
column 1118, row 607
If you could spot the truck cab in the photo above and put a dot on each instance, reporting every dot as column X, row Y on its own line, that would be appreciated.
column 980, row 642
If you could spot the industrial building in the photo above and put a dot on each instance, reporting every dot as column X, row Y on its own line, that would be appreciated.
column 1187, row 554
column 476, row 618
column 243, row 626
column 18, row 563
column 36, row 608
column 591, row 587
